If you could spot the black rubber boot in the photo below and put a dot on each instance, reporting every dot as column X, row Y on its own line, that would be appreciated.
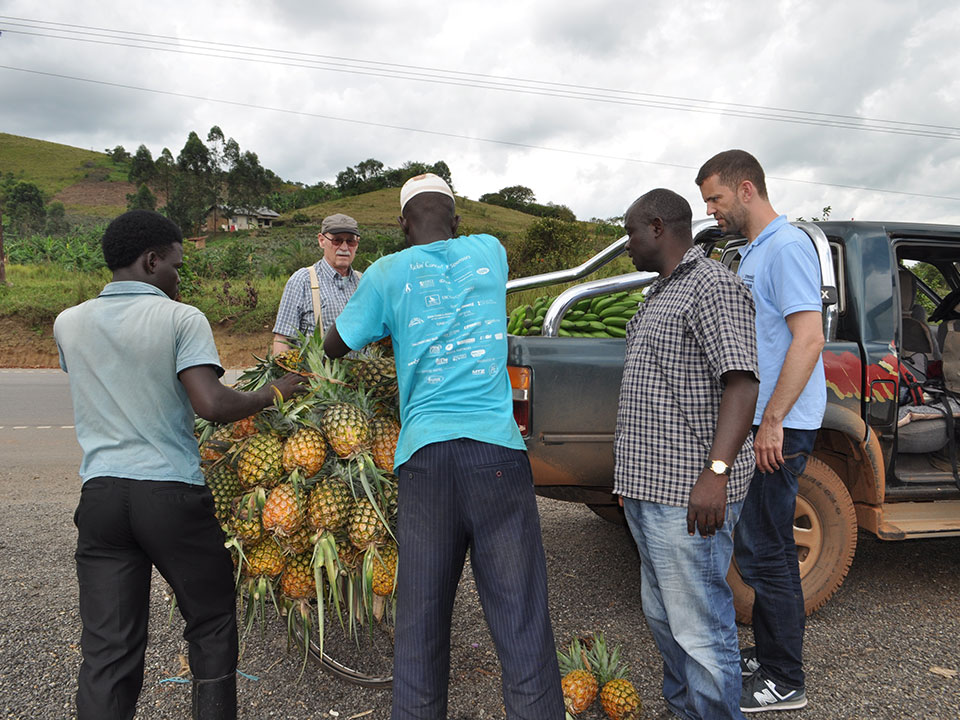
column 215, row 699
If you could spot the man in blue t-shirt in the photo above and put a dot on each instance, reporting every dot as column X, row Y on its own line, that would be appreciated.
column 464, row 478
column 140, row 365
column 780, row 266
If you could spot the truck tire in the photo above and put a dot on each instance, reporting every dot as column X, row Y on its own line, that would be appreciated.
column 609, row 512
column 825, row 530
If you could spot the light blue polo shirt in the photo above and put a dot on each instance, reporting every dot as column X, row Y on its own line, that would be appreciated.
column 123, row 350
column 782, row 270
column 444, row 305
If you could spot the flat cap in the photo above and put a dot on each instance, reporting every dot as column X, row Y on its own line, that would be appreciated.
column 339, row 223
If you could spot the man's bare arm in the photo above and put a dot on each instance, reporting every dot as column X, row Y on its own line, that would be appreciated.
column 333, row 344
column 707, row 504
column 214, row 401
column 802, row 355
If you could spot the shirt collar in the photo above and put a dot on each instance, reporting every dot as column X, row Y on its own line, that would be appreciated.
column 769, row 230
column 690, row 258
column 327, row 269
column 131, row 287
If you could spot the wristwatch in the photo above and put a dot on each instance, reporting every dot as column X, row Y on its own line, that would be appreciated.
column 719, row 467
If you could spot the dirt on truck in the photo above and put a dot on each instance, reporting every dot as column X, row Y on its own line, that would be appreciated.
column 885, row 459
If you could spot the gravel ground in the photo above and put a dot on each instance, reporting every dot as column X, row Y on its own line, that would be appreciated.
column 872, row 652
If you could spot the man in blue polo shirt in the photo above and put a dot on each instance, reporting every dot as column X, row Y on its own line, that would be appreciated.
column 465, row 481
column 781, row 268
column 140, row 364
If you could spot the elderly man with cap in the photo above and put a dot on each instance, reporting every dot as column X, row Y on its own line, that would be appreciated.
column 315, row 295
column 465, row 482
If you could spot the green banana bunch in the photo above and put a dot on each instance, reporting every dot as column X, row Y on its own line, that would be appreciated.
column 604, row 316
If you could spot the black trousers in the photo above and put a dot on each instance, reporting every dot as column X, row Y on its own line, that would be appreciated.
column 459, row 496
column 125, row 527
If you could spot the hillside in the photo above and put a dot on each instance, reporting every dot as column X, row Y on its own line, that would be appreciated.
column 91, row 185
column 87, row 182
column 379, row 209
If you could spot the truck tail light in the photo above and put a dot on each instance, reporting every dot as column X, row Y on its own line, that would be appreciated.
column 520, row 382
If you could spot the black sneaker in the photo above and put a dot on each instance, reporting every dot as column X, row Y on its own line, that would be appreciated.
column 748, row 661
column 761, row 694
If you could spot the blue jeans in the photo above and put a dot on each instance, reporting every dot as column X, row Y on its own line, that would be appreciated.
column 689, row 608
column 767, row 557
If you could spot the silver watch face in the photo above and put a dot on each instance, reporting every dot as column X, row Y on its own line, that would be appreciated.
column 719, row 467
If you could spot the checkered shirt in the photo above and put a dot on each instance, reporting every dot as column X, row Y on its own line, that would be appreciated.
column 696, row 324
column 296, row 305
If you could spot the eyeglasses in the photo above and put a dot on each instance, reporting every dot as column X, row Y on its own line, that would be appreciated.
column 352, row 242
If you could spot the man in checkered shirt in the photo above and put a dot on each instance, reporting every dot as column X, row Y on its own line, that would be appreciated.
column 683, row 454
column 336, row 281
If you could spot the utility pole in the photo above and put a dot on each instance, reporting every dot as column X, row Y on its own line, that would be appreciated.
column 3, row 259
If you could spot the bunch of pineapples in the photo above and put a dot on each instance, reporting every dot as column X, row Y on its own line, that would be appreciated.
column 589, row 667
column 305, row 493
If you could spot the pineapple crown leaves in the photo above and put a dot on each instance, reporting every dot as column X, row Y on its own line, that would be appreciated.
column 576, row 657
column 606, row 663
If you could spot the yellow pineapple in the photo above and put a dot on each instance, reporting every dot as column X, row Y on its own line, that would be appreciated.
column 246, row 523
column 305, row 449
column 329, row 506
column 384, row 433
column 618, row 696
column 299, row 542
column 260, row 460
column 224, row 485
column 216, row 446
column 283, row 513
column 297, row 581
column 265, row 559
column 578, row 683
column 243, row 428
column 365, row 527
column 385, row 569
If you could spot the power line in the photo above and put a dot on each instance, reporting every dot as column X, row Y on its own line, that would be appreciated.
column 438, row 133
column 438, row 76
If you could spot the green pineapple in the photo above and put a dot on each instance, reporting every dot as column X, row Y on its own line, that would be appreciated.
column 329, row 506
column 260, row 461
column 365, row 527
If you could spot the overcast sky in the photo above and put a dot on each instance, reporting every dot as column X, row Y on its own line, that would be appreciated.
column 589, row 104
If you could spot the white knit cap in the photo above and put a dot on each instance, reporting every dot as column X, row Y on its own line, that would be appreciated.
column 428, row 182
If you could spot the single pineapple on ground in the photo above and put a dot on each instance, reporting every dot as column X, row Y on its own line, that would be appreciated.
column 578, row 683
column 619, row 698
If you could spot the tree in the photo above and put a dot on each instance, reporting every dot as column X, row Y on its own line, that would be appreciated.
column 118, row 154
column 24, row 206
column 247, row 181
column 192, row 191
column 142, row 199
column 56, row 219
column 142, row 168
column 166, row 168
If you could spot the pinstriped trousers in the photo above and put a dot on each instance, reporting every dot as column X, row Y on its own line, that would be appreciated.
column 456, row 496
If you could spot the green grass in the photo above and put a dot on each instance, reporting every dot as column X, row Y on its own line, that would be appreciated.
column 38, row 293
column 51, row 166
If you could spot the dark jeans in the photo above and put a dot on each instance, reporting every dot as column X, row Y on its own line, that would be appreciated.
column 454, row 496
column 125, row 527
column 767, row 557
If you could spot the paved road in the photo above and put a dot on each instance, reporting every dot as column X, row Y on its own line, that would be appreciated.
column 883, row 648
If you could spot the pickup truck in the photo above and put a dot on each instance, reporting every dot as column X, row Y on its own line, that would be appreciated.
column 881, row 463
